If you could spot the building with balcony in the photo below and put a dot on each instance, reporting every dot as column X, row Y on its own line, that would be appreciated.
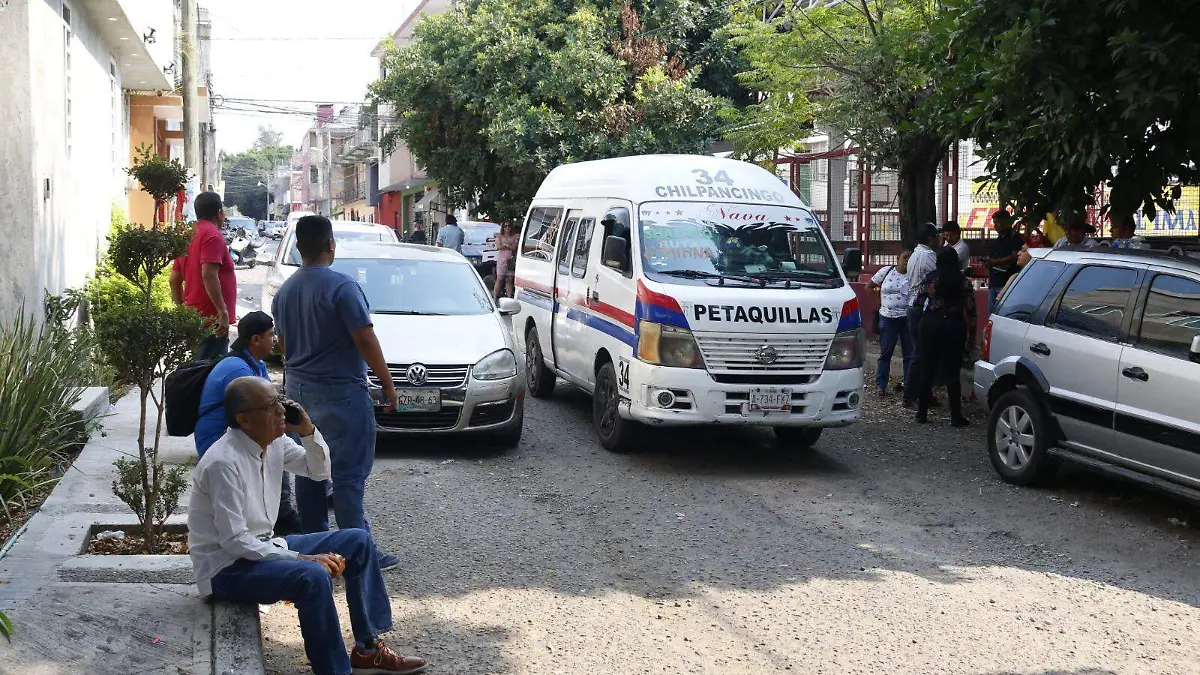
column 82, row 84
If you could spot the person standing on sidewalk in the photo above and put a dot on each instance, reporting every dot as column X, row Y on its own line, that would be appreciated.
column 891, row 283
column 451, row 235
column 952, row 235
column 237, row 557
column 1002, row 262
column 255, row 342
column 922, row 262
column 327, row 340
column 949, row 319
column 506, row 250
column 209, row 281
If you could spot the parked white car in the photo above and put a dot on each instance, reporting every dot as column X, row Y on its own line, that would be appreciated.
column 287, row 257
column 448, row 345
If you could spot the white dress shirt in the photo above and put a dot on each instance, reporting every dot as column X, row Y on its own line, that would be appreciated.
column 235, row 500
column 922, row 261
column 964, row 253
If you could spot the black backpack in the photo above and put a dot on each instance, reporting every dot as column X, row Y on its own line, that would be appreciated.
column 181, row 396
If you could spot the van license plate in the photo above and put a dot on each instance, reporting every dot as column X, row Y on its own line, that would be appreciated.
column 418, row 400
column 770, row 399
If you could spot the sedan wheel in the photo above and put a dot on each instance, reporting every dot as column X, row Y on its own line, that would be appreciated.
column 1018, row 439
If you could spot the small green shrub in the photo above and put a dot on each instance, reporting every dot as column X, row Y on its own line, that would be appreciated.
column 162, row 178
column 129, row 488
column 6, row 627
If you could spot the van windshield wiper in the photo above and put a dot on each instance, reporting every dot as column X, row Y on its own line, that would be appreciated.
column 697, row 274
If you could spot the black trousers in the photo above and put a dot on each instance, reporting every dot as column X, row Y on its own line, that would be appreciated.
column 942, row 338
column 912, row 380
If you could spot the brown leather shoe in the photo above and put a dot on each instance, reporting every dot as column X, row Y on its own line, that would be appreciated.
column 384, row 661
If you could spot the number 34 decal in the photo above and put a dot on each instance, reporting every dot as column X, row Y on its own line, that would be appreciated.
column 623, row 375
column 703, row 177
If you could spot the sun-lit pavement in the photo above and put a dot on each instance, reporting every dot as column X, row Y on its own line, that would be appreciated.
column 889, row 548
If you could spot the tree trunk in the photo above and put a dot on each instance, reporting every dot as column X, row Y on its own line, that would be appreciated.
column 147, row 508
column 917, row 207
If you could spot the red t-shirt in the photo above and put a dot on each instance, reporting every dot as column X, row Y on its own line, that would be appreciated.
column 208, row 246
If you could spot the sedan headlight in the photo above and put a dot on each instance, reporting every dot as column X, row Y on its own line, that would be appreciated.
column 665, row 345
column 495, row 366
column 847, row 349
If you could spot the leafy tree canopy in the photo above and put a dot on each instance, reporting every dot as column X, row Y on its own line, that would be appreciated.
column 857, row 66
column 493, row 96
column 1065, row 94
column 245, row 170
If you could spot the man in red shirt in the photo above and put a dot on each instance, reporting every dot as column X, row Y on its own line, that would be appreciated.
column 209, row 283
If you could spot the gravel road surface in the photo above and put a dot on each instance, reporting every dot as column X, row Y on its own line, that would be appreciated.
column 889, row 548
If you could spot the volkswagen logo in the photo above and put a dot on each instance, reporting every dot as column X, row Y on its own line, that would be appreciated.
column 766, row 354
column 416, row 374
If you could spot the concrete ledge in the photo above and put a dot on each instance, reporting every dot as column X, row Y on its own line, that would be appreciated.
column 128, row 569
column 237, row 640
column 93, row 403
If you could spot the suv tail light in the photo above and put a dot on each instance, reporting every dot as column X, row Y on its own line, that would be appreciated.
column 985, row 347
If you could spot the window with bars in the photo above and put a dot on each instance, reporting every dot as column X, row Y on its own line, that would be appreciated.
column 68, row 39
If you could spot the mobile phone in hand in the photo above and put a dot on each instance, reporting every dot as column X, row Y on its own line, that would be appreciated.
column 291, row 413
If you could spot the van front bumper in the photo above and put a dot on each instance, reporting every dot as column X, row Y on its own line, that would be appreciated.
column 832, row 399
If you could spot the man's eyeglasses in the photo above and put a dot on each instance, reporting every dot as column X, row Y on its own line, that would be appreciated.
column 278, row 401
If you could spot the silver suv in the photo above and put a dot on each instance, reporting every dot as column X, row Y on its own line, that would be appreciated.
column 1093, row 356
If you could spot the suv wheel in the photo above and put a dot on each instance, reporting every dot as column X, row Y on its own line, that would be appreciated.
column 1018, row 439
column 540, row 378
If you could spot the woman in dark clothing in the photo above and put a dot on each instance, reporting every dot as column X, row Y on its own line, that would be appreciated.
column 948, row 320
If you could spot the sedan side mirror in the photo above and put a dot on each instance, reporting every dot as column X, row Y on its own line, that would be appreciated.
column 1194, row 352
column 616, row 253
column 508, row 306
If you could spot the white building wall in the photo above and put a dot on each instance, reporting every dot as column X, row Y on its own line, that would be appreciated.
column 18, row 185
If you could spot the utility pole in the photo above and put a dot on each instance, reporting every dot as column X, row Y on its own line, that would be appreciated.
column 190, row 55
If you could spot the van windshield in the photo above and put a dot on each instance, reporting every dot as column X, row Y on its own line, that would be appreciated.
column 691, row 242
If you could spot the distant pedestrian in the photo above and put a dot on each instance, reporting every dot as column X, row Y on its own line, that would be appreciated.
column 506, row 250
column 952, row 235
column 209, row 281
column 1123, row 229
column 417, row 236
column 327, row 340
column 1077, row 230
column 948, row 321
column 451, row 235
column 922, row 261
column 891, row 283
column 255, row 342
column 1002, row 261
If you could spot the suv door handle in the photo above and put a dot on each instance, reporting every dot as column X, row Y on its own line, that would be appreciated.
column 1040, row 348
column 1136, row 373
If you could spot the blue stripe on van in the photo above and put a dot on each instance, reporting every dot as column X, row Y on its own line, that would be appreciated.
column 604, row 326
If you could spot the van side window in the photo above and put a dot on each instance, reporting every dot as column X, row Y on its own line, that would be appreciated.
column 540, row 232
column 1172, row 316
column 616, row 224
column 583, row 246
column 1094, row 302
column 564, row 250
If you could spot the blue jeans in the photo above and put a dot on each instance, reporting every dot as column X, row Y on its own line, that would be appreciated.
column 345, row 415
column 212, row 347
column 890, row 332
column 308, row 586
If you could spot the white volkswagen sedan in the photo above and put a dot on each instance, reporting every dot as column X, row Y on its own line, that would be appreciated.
column 448, row 345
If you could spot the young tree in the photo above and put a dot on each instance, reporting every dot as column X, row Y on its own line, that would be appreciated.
column 162, row 178
column 858, row 66
column 1065, row 94
column 493, row 96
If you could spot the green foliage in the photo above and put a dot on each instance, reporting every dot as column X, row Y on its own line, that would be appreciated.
column 1059, row 92
column 139, row 255
column 43, row 368
column 142, row 345
column 129, row 488
column 493, row 97
column 245, row 170
column 162, row 178
column 109, row 289
column 6, row 627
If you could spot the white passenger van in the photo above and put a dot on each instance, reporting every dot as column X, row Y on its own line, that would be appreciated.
column 684, row 290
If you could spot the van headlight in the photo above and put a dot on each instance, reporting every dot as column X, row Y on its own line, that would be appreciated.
column 665, row 345
column 498, row 365
column 847, row 349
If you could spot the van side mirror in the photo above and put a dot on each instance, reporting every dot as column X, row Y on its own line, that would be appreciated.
column 852, row 262
column 1194, row 352
column 616, row 253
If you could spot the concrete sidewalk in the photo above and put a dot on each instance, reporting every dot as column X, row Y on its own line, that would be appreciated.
column 113, row 614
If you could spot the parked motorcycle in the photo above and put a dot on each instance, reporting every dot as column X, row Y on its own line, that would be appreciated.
column 243, row 249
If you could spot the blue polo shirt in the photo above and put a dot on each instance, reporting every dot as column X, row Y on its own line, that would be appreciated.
column 211, row 425
column 315, row 312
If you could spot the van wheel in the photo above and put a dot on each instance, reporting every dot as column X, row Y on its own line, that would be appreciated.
column 616, row 434
column 541, row 378
column 800, row 438
column 1018, row 440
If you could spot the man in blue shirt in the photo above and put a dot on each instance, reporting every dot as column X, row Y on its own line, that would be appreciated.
column 1002, row 263
column 327, row 340
column 256, row 339
column 451, row 235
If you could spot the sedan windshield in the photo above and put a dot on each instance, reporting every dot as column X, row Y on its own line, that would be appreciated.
column 714, row 243
column 341, row 237
column 422, row 287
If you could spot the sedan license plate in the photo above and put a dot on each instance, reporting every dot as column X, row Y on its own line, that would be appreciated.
column 770, row 399
column 418, row 400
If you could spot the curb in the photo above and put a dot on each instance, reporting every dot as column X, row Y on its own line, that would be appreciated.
column 237, row 640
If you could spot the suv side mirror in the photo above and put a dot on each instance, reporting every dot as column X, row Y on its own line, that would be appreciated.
column 616, row 253
column 852, row 262
column 1194, row 352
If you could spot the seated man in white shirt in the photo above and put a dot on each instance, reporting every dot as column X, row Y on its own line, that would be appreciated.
column 1077, row 229
column 234, row 503
column 1123, row 229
